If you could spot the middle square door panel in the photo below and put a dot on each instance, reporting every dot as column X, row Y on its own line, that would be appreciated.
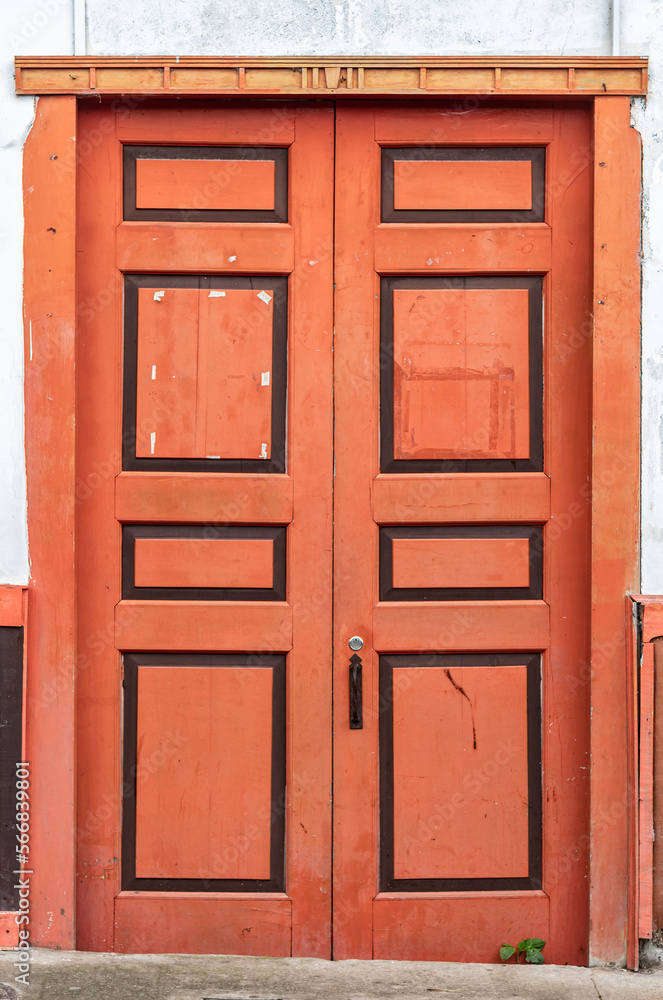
column 205, row 373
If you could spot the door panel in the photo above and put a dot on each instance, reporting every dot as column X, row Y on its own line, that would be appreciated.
column 205, row 415
column 461, row 530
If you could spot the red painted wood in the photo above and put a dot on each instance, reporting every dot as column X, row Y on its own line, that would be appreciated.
column 460, row 927
column 200, row 625
column 204, row 369
column 460, row 562
column 99, row 442
column 226, row 123
column 309, row 568
column 11, row 605
column 395, row 125
column 205, row 184
column 556, row 626
column 461, row 373
column 233, row 498
column 414, row 248
column 175, row 246
column 236, row 329
column 615, row 510
column 460, row 772
column 203, row 562
column 457, row 185
column 213, row 790
column 49, row 193
column 461, row 625
column 470, row 497
column 356, row 349
column 167, row 372
column 646, row 830
column 202, row 923
column 225, row 346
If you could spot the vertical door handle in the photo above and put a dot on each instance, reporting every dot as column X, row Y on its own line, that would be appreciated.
column 356, row 713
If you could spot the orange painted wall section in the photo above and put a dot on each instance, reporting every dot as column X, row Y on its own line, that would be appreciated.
column 462, row 184
column 460, row 562
column 213, row 727
column 204, row 562
column 206, row 184
column 461, row 373
column 460, row 772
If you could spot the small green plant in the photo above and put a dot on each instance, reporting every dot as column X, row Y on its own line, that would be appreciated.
column 531, row 948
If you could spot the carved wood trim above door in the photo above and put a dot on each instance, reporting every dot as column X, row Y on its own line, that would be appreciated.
column 312, row 76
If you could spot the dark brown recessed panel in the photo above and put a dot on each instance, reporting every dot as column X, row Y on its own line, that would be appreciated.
column 461, row 386
column 204, row 773
column 460, row 772
column 205, row 364
column 203, row 563
column 205, row 184
column 463, row 184
column 461, row 563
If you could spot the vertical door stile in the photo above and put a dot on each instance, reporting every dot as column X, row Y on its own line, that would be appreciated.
column 310, row 465
column 355, row 544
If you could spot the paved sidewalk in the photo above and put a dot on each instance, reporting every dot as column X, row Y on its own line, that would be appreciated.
column 90, row 976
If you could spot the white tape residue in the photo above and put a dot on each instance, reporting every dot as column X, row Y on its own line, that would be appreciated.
column 231, row 260
column 264, row 378
column 154, row 372
column 153, row 441
column 265, row 297
column 263, row 450
column 216, row 295
column 158, row 296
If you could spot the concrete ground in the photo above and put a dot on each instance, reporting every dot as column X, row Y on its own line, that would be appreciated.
column 91, row 976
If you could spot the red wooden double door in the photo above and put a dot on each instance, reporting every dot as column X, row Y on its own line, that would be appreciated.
column 333, row 384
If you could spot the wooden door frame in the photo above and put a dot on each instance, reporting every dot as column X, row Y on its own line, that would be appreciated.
column 50, row 309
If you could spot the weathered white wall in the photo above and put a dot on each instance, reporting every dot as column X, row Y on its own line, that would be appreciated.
column 26, row 27
column 642, row 34
column 344, row 27
column 318, row 27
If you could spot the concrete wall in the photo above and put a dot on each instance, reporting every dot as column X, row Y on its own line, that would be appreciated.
column 390, row 27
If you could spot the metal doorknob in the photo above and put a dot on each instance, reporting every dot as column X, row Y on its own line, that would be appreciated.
column 356, row 643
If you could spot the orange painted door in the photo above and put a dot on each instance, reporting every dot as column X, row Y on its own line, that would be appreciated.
column 448, row 246
column 462, row 391
column 204, row 376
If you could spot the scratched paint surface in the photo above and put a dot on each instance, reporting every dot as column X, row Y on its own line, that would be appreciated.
column 461, row 373
column 460, row 772
column 203, row 800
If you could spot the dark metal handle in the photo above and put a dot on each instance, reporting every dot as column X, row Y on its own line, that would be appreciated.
column 356, row 720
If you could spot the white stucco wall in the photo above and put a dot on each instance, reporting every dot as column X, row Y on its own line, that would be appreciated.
column 289, row 27
column 27, row 27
